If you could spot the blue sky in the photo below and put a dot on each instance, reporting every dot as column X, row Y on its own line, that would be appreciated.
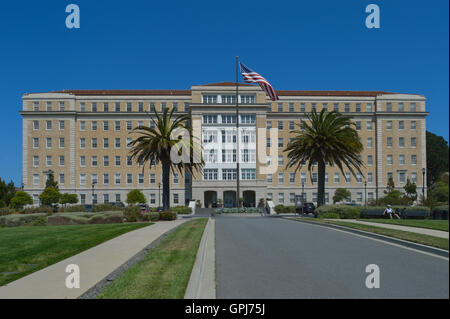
column 304, row 45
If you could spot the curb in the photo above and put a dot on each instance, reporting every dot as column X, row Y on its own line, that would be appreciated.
column 408, row 244
column 202, row 284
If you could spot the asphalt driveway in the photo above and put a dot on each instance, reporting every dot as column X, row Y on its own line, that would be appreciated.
column 263, row 257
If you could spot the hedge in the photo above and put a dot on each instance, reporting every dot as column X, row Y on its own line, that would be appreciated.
column 181, row 210
column 342, row 211
column 16, row 220
column 73, row 209
column 441, row 208
column 106, row 207
column 85, row 218
column 240, row 210
column 167, row 215
column 397, row 207
column 281, row 209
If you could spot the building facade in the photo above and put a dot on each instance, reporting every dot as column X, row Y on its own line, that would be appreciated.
column 82, row 136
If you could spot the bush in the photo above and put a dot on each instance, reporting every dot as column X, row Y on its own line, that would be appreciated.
column 40, row 221
column 105, row 208
column 5, row 211
column 342, row 211
column 15, row 220
column 167, row 215
column 36, row 210
column 73, row 209
column 281, row 209
column 181, row 210
column 437, row 208
column 329, row 215
column 21, row 199
column 154, row 217
column 132, row 213
column 85, row 218
column 135, row 196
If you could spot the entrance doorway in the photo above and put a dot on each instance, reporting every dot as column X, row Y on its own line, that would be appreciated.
column 229, row 199
column 210, row 197
column 249, row 199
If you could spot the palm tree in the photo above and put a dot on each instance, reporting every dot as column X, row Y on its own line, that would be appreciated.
column 329, row 138
column 154, row 146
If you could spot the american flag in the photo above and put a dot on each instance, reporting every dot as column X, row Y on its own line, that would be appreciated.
column 251, row 76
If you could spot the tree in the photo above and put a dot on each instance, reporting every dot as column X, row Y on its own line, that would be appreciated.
column 21, row 199
column 50, row 196
column 390, row 185
column 154, row 145
column 7, row 191
column 340, row 194
column 67, row 198
column 51, row 181
column 439, row 191
column 135, row 196
column 437, row 157
column 330, row 138
column 410, row 190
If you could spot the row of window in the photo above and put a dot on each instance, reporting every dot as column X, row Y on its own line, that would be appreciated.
column 305, row 196
column 117, row 198
column 112, row 106
column 339, row 107
column 94, row 142
column 214, row 174
column 228, row 99
column 228, row 119
column 117, row 178
column 314, row 178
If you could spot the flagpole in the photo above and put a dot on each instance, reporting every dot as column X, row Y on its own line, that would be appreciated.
column 237, row 132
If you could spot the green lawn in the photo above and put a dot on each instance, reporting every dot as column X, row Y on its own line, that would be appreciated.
column 164, row 273
column 442, row 243
column 26, row 249
column 423, row 223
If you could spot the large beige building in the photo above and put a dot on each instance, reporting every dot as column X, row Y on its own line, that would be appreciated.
column 82, row 136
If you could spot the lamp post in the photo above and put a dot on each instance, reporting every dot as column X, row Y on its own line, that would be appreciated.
column 93, row 185
column 159, row 194
column 303, row 192
column 365, row 192
column 423, row 183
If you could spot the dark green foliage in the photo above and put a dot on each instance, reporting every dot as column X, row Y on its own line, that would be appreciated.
column 343, row 211
column 154, row 217
column 36, row 210
column 135, row 197
column 106, row 208
column 181, row 210
column 437, row 157
column 167, row 215
column 73, row 209
column 49, row 196
column 67, row 198
column 21, row 199
column 340, row 194
column 132, row 213
column 282, row 209
column 7, row 192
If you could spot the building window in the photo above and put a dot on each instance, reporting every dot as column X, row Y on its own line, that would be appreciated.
column 280, row 178
column 140, row 107
column 140, row 178
column 389, row 141
column 280, row 107
column 248, row 174
column 369, row 142
column 94, row 143
column 413, row 125
column 369, row 160
column 388, row 107
column 209, row 99
column 414, row 177
column 412, row 107
column 269, row 178
column 291, row 107
column 348, row 178
column 128, row 106
column 401, row 107
column 35, row 106
column 414, row 159
column 369, row 125
column 413, row 142
column 302, row 107
column 269, row 196
column 359, row 197
column 209, row 119
column 152, row 178
column 118, row 200
column 82, row 143
column 175, row 178
column 61, row 179
column 186, row 107
column 369, row 107
column 228, row 174
column 314, row 177
column 35, row 161
column 175, row 198
column 82, row 161
column 94, row 161
column 105, row 107
column 369, row 177
column 82, row 179
column 401, row 141
column 280, row 125
column 48, row 125
column 61, row 142
column 358, row 125
column 129, row 178
column 61, row 160
column 106, row 161
column 94, row 125
column 152, row 198
column 248, row 119
column 35, row 142
column 358, row 107
column 117, row 106
column 389, row 125
column 389, row 159
column 48, row 142
column 94, row 106
column 82, row 125
column 49, row 106
column 61, row 125
column 35, row 179
column 35, row 125
column 347, row 107
column 401, row 159
column 82, row 107
column 401, row 177
column 401, row 125
column 280, row 197
column 82, row 199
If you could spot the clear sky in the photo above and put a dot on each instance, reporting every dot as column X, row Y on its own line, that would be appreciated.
column 303, row 45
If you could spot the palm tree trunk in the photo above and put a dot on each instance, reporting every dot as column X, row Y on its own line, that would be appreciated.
column 166, row 185
column 321, row 183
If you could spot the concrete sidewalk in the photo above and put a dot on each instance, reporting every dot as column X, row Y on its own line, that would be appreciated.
column 418, row 230
column 94, row 264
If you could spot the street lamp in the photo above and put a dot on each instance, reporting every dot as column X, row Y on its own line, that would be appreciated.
column 423, row 182
column 303, row 191
column 365, row 192
column 93, row 184
column 159, row 194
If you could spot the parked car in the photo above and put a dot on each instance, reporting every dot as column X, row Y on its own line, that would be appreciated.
column 159, row 209
column 143, row 208
column 308, row 208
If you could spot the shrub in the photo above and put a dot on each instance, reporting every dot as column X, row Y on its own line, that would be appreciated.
column 105, row 208
column 40, row 221
column 5, row 211
column 132, row 213
column 437, row 208
column 167, row 215
column 50, row 195
column 135, row 197
column 73, row 209
column 281, row 209
column 181, row 210
column 343, row 211
column 85, row 218
column 153, row 216
column 21, row 199
column 36, row 210
column 15, row 220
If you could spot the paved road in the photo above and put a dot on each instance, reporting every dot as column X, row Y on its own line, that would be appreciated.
column 274, row 258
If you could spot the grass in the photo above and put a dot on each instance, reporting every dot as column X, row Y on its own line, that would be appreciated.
column 422, row 223
column 164, row 273
column 438, row 242
column 26, row 249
